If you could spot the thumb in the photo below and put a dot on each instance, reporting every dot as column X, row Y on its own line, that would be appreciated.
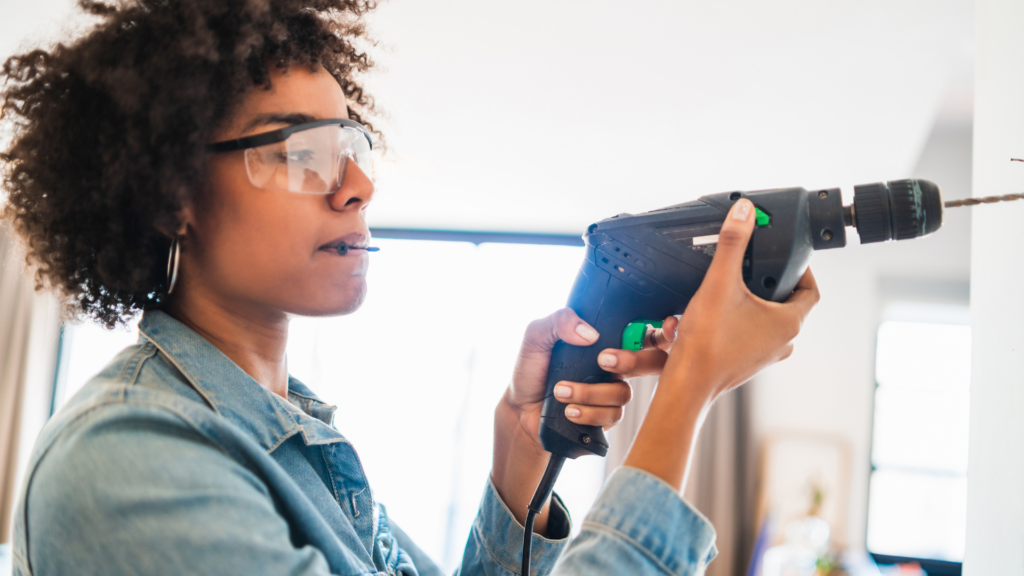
column 732, row 241
column 541, row 335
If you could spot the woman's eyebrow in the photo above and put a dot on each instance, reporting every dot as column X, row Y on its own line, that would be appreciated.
column 277, row 118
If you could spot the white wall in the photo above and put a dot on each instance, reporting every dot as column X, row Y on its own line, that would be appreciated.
column 827, row 386
column 995, row 476
column 25, row 24
column 547, row 116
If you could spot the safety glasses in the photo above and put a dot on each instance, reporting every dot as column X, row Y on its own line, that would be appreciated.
column 310, row 158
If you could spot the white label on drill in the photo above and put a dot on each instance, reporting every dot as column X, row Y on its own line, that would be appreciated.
column 702, row 240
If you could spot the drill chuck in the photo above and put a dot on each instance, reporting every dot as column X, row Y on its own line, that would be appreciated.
column 896, row 210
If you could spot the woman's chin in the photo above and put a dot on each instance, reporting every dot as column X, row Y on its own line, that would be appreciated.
column 353, row 303
column 335, row 303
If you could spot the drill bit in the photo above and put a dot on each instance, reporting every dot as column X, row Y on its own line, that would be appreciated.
column 985, row 200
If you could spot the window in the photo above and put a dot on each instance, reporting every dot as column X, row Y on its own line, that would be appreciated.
column 84, row 350
column 918, row 489
column 416, row 373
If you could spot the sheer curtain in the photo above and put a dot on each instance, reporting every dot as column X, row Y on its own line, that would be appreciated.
column 722, row 482
column 29, row 332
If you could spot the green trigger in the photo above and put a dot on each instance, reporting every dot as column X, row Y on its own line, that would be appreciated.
column 763, row 219
column 633, row 335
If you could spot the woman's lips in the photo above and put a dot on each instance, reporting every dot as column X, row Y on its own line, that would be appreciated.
column 354, row 240
column 350, row 254
column 359, row 259
column 355, row 262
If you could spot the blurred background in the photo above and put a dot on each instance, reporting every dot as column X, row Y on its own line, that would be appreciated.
column 510, row 128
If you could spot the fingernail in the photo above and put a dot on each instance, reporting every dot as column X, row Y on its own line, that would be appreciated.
column 572, row 412
column 742, row 210
column 587, row 332
column 563, row 391
column 607, row 360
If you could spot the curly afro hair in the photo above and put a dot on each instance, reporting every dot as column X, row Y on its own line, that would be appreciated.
column 107, row 133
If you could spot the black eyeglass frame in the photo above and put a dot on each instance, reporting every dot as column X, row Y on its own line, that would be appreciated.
column 281, row 135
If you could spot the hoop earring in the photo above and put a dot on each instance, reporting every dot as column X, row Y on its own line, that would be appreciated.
column 172, row 264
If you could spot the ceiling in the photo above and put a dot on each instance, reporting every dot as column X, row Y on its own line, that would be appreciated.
column 546, row 115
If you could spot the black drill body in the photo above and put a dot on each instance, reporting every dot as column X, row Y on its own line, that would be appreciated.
column 646, row 267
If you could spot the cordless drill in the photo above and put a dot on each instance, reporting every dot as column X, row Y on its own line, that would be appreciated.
column 642, row 268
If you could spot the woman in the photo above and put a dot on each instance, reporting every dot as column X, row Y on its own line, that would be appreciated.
column 206, row 163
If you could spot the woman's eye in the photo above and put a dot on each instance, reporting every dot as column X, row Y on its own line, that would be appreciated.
column 300, row 155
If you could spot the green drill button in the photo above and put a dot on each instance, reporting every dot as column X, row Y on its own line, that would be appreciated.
column 633, row 335
column 763, row 219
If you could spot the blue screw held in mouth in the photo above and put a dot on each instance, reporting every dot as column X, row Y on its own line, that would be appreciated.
column 343, row 248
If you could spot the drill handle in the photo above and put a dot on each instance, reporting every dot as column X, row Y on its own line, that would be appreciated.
column 557, row 434
column 609, row 305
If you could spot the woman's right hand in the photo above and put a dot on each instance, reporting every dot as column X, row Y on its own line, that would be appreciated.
column 727, row 334
column 725, row 337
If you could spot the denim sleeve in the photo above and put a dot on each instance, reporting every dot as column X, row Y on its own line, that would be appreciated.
column 639, row 525
column 191, row 510
column 495, row 546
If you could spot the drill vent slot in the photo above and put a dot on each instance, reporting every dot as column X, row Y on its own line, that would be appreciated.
column 617, row 259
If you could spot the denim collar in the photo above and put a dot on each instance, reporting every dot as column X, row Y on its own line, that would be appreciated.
column 233, row 394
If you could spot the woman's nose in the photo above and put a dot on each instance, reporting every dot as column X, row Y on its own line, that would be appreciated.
column 356, row 189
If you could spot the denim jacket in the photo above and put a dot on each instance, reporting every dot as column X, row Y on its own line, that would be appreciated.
column 174, row 461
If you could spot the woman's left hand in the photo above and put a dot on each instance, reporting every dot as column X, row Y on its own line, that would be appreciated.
column 519, row 458
column 587, row 404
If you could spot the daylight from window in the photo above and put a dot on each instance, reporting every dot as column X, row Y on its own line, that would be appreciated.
column 918, row 498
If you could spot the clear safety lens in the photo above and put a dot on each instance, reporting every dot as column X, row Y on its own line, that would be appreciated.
column 312, row 161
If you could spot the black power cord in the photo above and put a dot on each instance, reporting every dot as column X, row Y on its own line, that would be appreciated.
column 547, row 484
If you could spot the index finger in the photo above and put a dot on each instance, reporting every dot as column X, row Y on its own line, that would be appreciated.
column 662, row 338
